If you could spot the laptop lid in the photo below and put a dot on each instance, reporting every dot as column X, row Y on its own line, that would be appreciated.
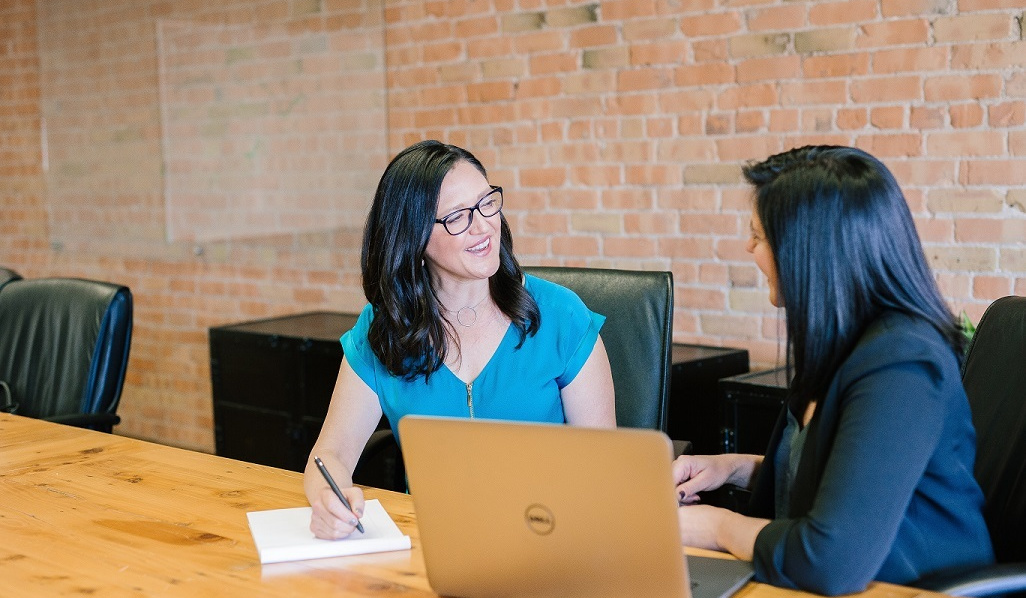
column 543, row 510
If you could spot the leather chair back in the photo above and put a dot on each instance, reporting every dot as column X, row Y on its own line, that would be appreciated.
column 994, row 376
column 7, row 275
column 64, row 346
column 638, row 334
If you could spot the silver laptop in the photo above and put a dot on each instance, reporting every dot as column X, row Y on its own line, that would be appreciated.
column 543, row 510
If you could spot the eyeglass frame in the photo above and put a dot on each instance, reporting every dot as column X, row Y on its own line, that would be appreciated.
column 470, row 212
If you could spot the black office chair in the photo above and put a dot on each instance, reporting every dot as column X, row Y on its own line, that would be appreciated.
column 638, row 335
column 7, row 275
column 994, row 376
column 64, row 346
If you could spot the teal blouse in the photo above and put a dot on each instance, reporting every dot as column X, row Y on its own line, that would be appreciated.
column 520, row 384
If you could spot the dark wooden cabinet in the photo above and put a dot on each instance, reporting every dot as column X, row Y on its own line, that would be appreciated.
column 696, row 412
column 753, row 402
column 272, row 383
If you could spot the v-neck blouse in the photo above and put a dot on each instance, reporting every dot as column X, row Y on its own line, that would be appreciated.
column 516, row 384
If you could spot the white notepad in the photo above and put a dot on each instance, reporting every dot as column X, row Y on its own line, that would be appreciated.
column 284, row 535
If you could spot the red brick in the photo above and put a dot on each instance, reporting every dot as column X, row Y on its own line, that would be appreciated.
column 887, row 89
column 967, row 143
column 719, row 124
column 852, row 118
column 633, row 105
column 541, row 41
column 954, row 88
column 685, row 150
column 990, row 230
column 883, row 146
column 748, row 96
column 836, row 13
column 711, row 24
column 686, row 247
column 595, row 35
column 762, row 69
column 887, row 117
column 993, row 172
column 837, row 65
column 933, row 230
column 649, row 223
column 904, row 60
column 973, row 27
column 1007, row 114
column 547, row 64
column 752, row 45
column 907, row 8
column 926, row 118
column 644, row 79
column 914, row 32
column 662, row 52
column 642, row 29
column 981, row 57
column 740, row 149
column 709, row 224
column 990, row 288
column 628, row 246
column 966, row 115
column 575, row 246
column 786, row 17
column 750, row 121
column 602, row 176
column 810, row 93
column 652, row 174
column 617, row 10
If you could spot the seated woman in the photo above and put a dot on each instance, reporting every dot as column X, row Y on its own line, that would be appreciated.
column 869, row 472
column 453, row 326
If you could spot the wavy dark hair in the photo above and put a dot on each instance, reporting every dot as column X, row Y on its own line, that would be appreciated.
column 408, row 333
column 846, row 249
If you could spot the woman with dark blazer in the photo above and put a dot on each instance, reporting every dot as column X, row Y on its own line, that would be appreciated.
column 869, row 472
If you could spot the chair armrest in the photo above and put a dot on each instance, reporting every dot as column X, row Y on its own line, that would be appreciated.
column 986, row 581
column 103, row 422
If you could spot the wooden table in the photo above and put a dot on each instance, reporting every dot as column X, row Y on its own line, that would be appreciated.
column 90, row 514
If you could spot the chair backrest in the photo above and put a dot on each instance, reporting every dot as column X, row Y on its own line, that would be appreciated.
column 7, row 275
column 64, row 345
column 638, row 334
column 994, row 376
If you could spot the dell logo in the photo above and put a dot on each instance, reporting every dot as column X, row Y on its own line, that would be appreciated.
column 539, row 519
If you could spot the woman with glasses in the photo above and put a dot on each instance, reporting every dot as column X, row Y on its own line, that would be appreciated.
column 453, row 326
column 869, row 473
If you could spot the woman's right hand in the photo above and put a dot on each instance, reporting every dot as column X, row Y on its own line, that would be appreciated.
column 331, row 520
column 698, row 473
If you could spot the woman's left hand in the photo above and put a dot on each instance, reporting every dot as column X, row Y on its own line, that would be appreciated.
column 699, row 525
column 714, row 528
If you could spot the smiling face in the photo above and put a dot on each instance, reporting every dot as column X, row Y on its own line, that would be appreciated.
column 761, row 252
column 474, row 253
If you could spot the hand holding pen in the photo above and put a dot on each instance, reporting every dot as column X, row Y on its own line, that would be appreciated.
column 336, row 490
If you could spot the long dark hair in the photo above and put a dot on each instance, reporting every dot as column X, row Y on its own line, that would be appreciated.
column 408, row 333
column 846, row 249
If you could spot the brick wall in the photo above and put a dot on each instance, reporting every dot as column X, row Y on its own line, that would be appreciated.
column 618, row 128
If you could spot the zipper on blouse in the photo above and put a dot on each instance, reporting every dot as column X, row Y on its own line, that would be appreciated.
column 470, row 398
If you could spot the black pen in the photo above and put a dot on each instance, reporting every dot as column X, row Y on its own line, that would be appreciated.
column 334, row 488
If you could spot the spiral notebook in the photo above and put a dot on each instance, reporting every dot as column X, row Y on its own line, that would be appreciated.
column 284, row 535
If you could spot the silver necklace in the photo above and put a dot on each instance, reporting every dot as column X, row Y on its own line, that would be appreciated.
column 468, row 312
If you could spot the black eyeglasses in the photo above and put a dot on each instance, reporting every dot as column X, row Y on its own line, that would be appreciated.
column 458, row 221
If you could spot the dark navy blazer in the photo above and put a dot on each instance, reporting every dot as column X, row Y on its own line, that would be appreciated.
column 885, row 488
